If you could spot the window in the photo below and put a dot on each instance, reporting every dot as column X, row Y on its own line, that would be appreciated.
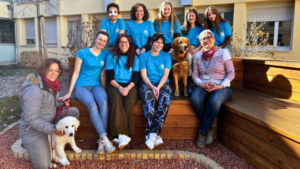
column 7, row 34
column 30, row 31
column 279, row 26
column 74, row 32
column 51, row 31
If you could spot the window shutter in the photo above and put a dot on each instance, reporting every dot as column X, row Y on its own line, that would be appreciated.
column 277, row 13
column 30, row 30
column 51, row 31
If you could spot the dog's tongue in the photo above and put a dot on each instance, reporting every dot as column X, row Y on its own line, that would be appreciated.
column 184, row 51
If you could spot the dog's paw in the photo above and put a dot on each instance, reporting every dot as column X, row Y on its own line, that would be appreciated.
column 65, row 162
column 52, row 165
column 78, row 150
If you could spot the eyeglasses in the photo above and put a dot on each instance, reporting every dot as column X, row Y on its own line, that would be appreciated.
column 123, row 42
column 206, row 38
column 53, row 71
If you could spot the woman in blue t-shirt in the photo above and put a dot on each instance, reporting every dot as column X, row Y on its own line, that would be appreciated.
column 219, row 26
column 139, row 28
column 89, row 82
column 191, row 29
column 167, row 24
column 154, row 90
column 122, row 69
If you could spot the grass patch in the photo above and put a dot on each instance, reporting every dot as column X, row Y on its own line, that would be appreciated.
column 16, row 72
column 10, row 110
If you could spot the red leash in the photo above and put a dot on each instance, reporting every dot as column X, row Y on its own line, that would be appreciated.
column 59, row 113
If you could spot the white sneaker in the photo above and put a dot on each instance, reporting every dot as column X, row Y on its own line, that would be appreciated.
column 109, row 147
column 123, row 141
column 151, row 141
column 158, row 141
column 100, row 147
column 116, row 141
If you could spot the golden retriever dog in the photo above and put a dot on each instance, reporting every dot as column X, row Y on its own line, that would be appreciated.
column 181, row 69
column 67, row 125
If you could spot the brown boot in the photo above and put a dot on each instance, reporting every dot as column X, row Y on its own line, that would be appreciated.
column 201, row 140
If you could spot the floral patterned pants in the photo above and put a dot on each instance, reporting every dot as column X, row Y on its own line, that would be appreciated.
column 155, row 111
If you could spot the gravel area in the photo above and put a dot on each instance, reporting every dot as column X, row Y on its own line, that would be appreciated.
column 215, row 151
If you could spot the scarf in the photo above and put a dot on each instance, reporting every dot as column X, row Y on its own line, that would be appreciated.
column 52, row 85
column 209, row 53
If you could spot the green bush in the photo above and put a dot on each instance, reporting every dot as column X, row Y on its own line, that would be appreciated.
column 10, row 110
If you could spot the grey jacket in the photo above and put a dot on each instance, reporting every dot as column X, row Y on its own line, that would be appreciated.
column 38, row 110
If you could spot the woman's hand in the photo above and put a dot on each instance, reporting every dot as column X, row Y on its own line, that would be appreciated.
column 204, row 85
column 138, row 52
column 125, row 91
column 66, row 97
column 59, row 133
column 192, row 51
column 155, row 91
column 214, row 87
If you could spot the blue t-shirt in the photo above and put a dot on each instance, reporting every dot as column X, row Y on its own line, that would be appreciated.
column 193, row 34
column 225, row 30
column 155, row 65
column 122, row 74
column 91, row 67
column 139, row 32
column 165, row 29
column 113, row 29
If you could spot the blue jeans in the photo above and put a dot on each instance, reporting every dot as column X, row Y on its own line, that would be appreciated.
column 215, row 101
column 91, row 97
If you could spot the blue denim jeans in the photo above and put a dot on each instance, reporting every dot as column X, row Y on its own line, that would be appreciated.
column 215, row 101
column 91, row 97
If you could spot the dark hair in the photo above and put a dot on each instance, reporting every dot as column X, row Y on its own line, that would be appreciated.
column 156, row 36
column 134, row 9
column 103, row 33
column 112, row 5
column 187, row 24
column 43, row 68
column 130, row 52
column 218, row 20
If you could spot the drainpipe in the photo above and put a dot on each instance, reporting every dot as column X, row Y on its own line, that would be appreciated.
column 15, row 27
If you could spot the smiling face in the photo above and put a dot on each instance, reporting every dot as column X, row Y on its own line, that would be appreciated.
column 191, row 17
column 207, row 41
column 124, row 44
column 167, row 10
column 211, row 15
column 157, row 45
column 113, row 13
column 52, row 72
column 101, row 41
column 139, row 13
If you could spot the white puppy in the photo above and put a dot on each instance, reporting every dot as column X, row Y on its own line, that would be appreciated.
column 67, row 125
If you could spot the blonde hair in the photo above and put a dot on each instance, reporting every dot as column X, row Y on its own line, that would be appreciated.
column 218, row 20
column 173, row 16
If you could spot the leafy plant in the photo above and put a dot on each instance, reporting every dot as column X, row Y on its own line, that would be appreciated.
column 255, row 44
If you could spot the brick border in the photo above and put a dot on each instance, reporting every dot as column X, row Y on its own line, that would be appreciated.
column 19, row 152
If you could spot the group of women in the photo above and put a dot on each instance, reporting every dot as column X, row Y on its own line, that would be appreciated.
column 142, row 51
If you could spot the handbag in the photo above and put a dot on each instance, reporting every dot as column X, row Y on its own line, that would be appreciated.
column 59, row 110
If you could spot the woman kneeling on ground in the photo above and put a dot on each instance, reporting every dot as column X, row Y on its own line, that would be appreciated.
column 212, row 72
column 39, row 94
column 89, row 82
column 155, row 91
column 122, row 69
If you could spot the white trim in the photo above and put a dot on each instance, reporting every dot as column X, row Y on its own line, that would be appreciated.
column 275, row 38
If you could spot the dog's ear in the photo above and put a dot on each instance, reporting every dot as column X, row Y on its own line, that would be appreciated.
column 77, row 123
column 60, row 125
column 175, row 41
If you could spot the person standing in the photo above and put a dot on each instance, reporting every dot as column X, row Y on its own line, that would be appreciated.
column 219, row 26
column 167, row 24
column 113, row 25
column 139, row 28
